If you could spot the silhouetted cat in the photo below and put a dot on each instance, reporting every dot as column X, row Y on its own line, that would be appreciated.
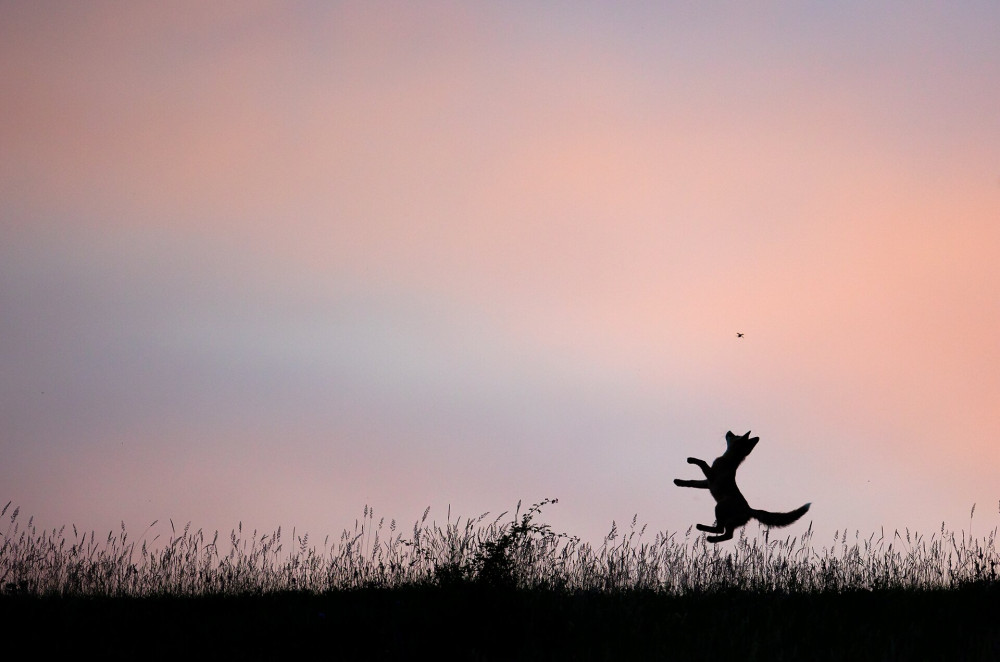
column 731, row 508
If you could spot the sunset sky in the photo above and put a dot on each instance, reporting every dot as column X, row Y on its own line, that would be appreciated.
column 274, row 262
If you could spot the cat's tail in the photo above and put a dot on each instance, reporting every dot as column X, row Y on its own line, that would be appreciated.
column 779, row 519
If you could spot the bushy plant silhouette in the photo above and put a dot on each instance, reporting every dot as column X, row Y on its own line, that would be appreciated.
column 504, row 560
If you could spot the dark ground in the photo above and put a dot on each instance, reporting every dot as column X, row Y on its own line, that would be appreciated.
column 469, row 623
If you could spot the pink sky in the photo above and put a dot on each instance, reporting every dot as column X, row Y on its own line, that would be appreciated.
column 274, row 262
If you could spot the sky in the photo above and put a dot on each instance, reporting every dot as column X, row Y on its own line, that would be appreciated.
column 274, row 262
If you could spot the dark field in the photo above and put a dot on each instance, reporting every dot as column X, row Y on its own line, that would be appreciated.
column 471, row 623
column 507, row 588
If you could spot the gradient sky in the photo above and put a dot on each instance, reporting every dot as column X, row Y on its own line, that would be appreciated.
column 272, row 262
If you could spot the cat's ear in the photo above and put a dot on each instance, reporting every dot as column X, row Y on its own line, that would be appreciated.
column 730, row 437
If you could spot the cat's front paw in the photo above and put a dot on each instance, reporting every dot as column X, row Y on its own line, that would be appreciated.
column 693, row 460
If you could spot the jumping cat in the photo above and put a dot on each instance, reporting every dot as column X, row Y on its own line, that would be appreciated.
column 731, row 508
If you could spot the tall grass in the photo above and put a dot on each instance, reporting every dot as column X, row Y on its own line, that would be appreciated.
column 508, row 551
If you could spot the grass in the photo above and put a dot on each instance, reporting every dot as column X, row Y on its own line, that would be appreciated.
column 508, row 587
column 507, row 551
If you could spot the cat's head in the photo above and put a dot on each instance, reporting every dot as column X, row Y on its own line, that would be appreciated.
column 740, row 446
